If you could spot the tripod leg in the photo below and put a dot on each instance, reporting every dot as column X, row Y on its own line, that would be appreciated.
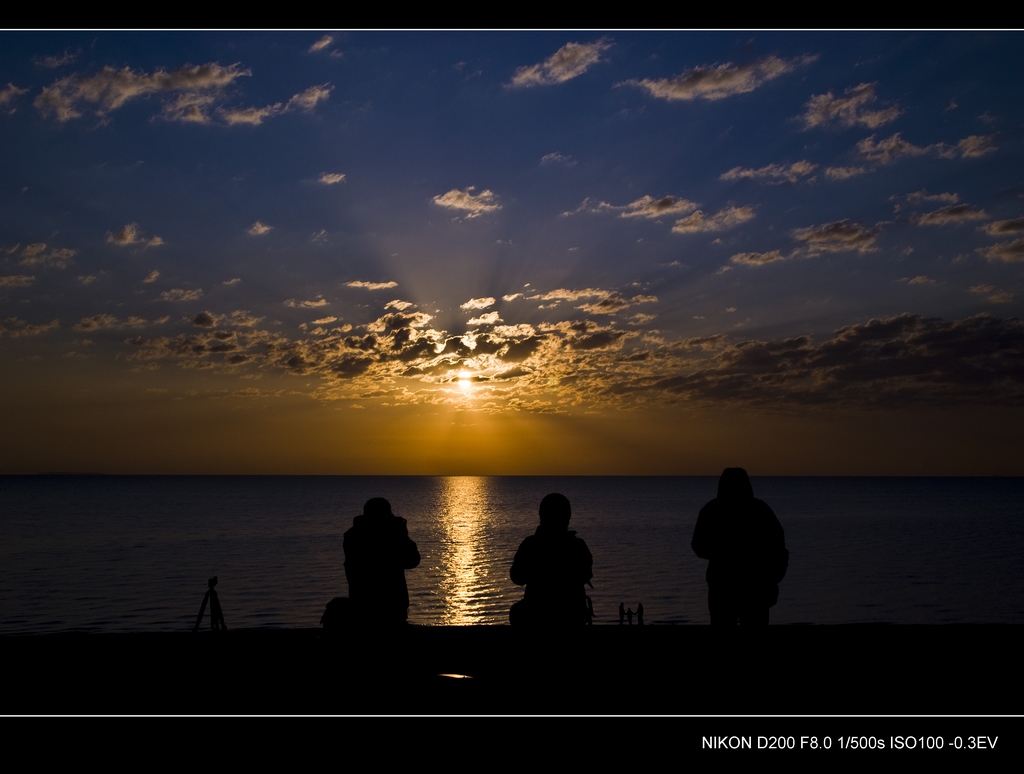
column 202, row 609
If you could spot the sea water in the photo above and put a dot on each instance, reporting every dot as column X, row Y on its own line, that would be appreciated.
column 109, row 553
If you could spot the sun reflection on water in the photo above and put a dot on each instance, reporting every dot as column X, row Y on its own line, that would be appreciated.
column 466, row 582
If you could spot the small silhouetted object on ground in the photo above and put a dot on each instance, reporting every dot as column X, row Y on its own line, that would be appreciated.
column 554, row 565
column 216, row 615
column 640, row 614
column 746, row 546
column 378, row 551
column 622, row 614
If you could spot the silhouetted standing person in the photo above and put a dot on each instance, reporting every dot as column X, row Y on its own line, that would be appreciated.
column 554, row 565
column 746, row 546
column 640, row 614
column 378, row 551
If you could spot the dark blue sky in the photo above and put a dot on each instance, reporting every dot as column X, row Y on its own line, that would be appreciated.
column 641, row 252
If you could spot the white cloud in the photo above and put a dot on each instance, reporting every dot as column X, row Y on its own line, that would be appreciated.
column 888, row 150
column 558, row 158
column 110, row 88
column 649, row 207
column 258, row 229
column 757, row 259
column 570, row 61
column 9, row 93
column 16, row 281
column 1007, row 252
column 840, row 236
column 716, row 82
column 478, row 303
column 233, row 281
column 371, row 285
column 321, row 44
column 727, row 218
column 848, row 110
column 151, row 277
column 36, row 254
column 772, row 173
column 1001, row 227
column 844, row 173
column 16, row 328
column 398, row 304
column 331, row 178
column 490, row 318
column 466, row 201
column 130, row 235
column 923, row 196
column 179, row 294
column 310, row 98
column 952, row 215
column 315, row 304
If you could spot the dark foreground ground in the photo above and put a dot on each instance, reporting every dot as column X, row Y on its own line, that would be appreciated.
column 689, row 670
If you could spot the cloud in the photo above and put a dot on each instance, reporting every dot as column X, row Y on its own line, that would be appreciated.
column 331, row 178
column 105, row 321
column 953, row 215
column 478, row 303
column 715, row 82
column 888, row 150
column 53, row 61
column 180, row 294
column 16, row 281
column 36, row 254
column 570, row 61
column 130, row 235
column 844, row 173
column 371, row 285
column 841, row 236
column 1007, row 252
column 9, row 93
column 16, row 328
column 1000, row 227
column 923, row 196
column 258, row 229
column 321, row 44
column 919, row 280
column 490, row 318
column 558, row 158
column 110, row 88
column 398, row 304
column 757, row 259
column 318, row 302
column 152, row 277
column 231, row 282
column 773, row 173
column 310, row 97
column 649, row 207
column 204, row 320
column 465, row 201
column 849, row 110
column 730, row 217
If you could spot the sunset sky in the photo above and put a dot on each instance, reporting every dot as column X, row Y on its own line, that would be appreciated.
column 512, row 252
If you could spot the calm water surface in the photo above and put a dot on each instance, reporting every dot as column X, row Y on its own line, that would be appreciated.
column 134, row 553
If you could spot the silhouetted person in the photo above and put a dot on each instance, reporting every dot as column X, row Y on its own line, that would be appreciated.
column 378, row 551
column 640, row 614
column 554, row 565
column 629, row 615
column 622, row 614
column 747, row 548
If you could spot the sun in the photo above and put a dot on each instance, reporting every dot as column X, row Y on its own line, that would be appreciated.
column 465, row 380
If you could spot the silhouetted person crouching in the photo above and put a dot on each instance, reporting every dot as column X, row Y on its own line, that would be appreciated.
column 747, row 548
column 554, row 565
column 378, row 551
